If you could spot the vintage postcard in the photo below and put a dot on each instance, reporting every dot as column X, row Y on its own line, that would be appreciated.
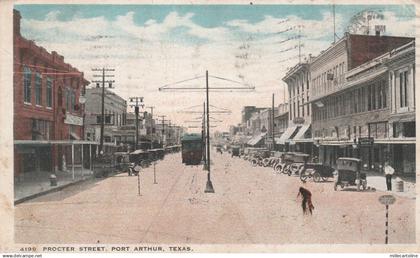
column 272, row 126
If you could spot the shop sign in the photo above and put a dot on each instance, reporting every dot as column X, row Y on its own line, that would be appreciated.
column 73, row 120
column 366, row 141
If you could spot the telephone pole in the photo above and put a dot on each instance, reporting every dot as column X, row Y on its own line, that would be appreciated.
column 203, row 135
column 153, row 127
column 163, row 128
column 137, row 102
column 209, row 184
column 103, row 81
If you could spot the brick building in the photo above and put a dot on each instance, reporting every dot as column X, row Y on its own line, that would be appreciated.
column 350, row 98
column 46, row 104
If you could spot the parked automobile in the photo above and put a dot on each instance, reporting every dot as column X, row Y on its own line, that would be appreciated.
column 349, row 174
column 317, row 171
column 294, row 162
column 235, row 151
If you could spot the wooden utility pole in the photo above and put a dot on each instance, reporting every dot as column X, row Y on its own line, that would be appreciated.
column 153, row 128
column 209, row 184
column 163, row 129
column 103, row 70
column 138, row 101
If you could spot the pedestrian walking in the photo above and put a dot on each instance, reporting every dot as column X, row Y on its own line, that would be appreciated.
column 389, row 171
column 306, row 200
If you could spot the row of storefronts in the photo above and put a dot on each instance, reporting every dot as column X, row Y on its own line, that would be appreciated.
column 363, row 109
column 355, row 99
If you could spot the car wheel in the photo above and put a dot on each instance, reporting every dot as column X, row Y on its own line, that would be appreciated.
column 303, row 177
column 324, row 178
column 317, row 177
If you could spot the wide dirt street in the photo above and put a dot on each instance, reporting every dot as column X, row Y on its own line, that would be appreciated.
column 250, row 206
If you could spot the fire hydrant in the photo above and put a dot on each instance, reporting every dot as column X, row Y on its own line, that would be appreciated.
column 53, row 180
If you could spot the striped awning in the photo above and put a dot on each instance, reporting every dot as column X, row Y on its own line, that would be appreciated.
column 256, row 139
column 286, row 135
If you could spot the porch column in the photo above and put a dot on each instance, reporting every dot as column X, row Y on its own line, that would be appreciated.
column 391, row 91
column 72, row 160
column 410, row 90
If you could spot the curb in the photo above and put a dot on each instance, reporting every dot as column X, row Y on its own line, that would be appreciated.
column 59, row 188
column 52, row 190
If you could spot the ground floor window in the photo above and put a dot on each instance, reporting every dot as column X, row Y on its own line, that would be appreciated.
column 409, row 129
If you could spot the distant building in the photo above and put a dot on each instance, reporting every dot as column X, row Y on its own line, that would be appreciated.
column 281, row 123
column 115, row 114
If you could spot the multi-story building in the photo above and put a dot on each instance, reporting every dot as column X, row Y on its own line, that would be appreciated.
column 402, row 121
column 281, row 123
column 46, row 105
column 297, row 136
column 350, row 97
column 115, row 112
column 249, row 126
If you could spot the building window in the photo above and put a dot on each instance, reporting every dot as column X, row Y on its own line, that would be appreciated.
column 40, row 129
column 68, row 99
column 38, row 89
column 108, row 119
column 27, row 85
column 99, row 119
column 307, row 109
column 409, row 129
column 384, row 95
column 403, row 88
column 73, row 100
column 378, row 130
column 49, row 92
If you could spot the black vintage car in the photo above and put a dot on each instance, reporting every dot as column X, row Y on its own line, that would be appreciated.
column 317, row 171
column 294, row 162
column 140, row 157
column 235, row 151
column 349, row 174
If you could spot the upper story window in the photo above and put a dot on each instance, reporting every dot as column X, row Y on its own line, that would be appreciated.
column 27, row 84
column 49, row 92
column 403, row 88
column 38, row 89
column 73, row 100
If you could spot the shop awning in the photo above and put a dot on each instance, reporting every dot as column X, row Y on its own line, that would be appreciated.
column 286, row 135
column 300, row 136
column 256, row 139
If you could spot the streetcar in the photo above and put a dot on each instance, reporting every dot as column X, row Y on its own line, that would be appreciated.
column 192, row 149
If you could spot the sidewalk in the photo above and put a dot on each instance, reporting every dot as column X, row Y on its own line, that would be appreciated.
column 36, row 184
column 377, row 181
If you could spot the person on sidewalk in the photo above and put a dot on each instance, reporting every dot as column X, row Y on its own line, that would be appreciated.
column 389, row 171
